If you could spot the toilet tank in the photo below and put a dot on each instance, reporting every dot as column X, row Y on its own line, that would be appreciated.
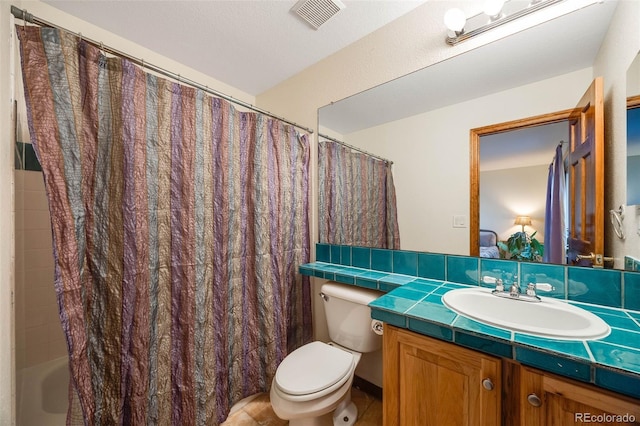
column 349, row 317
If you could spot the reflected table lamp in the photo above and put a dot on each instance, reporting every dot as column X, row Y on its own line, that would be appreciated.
column 523, row 220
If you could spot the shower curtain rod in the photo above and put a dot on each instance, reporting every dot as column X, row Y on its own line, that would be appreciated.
column 355, row 148
column 23, row 15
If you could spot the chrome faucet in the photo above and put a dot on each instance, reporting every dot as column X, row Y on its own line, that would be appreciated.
column 514, row 291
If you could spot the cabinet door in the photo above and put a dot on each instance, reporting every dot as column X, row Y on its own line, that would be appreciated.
column 550, row 400
column 430, row 382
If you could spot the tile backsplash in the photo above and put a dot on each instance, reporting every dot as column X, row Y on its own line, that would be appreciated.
column 619, row 289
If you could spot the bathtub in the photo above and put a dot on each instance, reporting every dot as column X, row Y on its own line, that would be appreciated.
column 42, row 394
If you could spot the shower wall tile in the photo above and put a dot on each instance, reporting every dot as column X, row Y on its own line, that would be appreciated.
column 39, row 336
column 40, row 276
column 19, row 307
column 39, row 315
column 33, row 182
column 19, row 217
column 58, row 348
column 39, row 258
column 18, row 163
column 18, row 180
column 37, row 339
column 40, row 296
column 36, row 219
column 37, row 239
column 33, row 200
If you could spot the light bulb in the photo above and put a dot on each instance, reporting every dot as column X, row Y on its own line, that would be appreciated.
column 454, row 19
column 493, row 8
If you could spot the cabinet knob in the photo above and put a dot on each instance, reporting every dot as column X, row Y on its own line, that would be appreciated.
column 534, row 400
column 487, row 384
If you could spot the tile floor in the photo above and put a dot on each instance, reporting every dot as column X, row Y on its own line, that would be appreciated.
column 257, row 411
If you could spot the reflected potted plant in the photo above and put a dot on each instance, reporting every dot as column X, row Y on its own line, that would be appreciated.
column 521, row 246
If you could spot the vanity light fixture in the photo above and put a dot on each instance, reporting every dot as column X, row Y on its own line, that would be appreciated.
column 523, row 220
column 495, row 13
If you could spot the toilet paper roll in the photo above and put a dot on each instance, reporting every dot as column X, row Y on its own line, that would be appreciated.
column 377, row 327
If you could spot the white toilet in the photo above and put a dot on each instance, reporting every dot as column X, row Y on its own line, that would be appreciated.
column 312, row 385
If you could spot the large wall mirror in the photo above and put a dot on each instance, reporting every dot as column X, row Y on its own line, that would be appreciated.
column 422, row 123
column 633, row 133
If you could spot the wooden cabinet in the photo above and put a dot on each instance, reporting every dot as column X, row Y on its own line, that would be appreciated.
column 546, row 399
column 431, row 382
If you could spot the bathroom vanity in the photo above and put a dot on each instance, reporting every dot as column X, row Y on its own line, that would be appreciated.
column 478, row 373
column 431, row 382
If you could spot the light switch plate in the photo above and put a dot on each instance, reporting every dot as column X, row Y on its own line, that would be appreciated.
column 459, row 221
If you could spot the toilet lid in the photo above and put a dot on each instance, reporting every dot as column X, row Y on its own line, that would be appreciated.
column 312, row 368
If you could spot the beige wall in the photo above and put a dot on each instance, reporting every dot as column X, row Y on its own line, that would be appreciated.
column 504, row 191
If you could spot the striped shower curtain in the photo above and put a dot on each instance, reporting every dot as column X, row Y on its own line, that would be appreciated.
column 357, row 198
column 178, row 226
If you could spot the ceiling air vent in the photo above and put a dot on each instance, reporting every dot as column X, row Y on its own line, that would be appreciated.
column 317, row 12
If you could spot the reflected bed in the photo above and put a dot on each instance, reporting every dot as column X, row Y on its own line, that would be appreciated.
column 489, row 244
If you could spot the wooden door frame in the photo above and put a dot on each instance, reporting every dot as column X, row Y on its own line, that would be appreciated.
column 474, row 164
column 633, row 101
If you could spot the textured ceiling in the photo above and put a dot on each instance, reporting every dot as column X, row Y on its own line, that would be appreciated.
column 251, row 45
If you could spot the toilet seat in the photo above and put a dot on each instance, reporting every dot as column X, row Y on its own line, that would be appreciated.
column 313, row 370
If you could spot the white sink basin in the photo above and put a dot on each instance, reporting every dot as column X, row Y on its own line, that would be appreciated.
column 549, row 318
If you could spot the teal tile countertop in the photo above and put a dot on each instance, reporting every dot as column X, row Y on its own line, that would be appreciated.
column 416, row 304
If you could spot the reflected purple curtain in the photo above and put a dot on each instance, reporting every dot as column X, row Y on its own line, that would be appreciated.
column 178, row 227
column 357, row 198
column 554, row 221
